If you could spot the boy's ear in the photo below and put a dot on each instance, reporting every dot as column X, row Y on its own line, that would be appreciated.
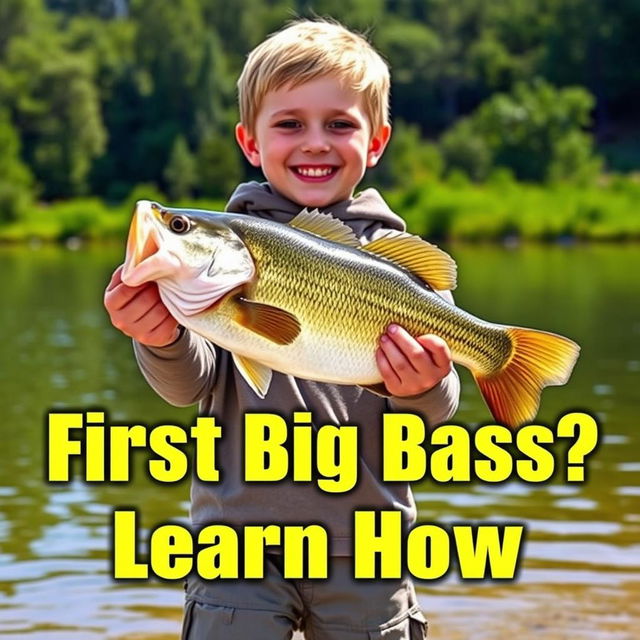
column 248, row 144
column 378, row 144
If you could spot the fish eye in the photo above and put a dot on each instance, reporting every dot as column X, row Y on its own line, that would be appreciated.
column 179, row 224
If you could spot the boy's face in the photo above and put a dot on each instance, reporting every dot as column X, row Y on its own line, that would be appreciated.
column 313, row 142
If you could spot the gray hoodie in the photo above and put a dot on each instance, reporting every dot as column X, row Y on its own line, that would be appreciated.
column 193, row 369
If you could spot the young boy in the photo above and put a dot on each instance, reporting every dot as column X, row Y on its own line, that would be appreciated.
column 314, row 116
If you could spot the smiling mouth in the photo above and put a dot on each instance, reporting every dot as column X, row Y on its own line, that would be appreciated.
column 314, row 172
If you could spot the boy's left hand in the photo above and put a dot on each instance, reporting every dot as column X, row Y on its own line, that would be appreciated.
column 411, row 366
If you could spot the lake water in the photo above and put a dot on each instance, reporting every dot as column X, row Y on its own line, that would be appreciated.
column 580, row 573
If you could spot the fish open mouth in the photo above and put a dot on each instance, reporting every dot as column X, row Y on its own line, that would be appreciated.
column 145, row 259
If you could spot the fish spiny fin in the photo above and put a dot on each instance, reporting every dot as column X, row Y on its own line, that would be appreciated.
column 325, row 226
column 424, row 260
column 538, row 359
column 257, row 375
column 272, row 323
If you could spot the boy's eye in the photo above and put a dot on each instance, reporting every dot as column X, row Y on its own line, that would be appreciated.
column 287, row 124
column 341, row 124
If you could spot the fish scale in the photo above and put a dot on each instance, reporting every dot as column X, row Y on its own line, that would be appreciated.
column 307, row 300
column 365, row 294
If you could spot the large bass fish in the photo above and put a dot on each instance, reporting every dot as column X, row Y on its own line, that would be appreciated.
column 308, row 300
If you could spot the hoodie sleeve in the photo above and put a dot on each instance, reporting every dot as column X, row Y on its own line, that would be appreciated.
column 437, row 405
column 181, row 373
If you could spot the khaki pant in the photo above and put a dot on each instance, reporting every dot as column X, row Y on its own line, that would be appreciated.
column 338, row 608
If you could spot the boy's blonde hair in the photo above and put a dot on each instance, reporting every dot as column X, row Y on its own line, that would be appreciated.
column 306, row 50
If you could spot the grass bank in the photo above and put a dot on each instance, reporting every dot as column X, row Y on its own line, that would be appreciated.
column 502, row 208
column 86, row 218
column 455, row 210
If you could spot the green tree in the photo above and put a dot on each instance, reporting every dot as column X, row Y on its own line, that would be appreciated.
column 536, row 130
column 101, row 8
column 54, row 104
column 409, row 159
column 19, row 18
column 242, row 24
column 219, row 166
column 16, row 181
column 214, row 97
column 171, row 51
column 411, row 48
column 465, row 149
column 157, row 96
column 180, row 172
column 456, row 24
column 358, row 14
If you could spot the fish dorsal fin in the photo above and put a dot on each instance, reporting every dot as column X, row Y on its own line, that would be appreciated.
column 325, row 226
column 272, row 323
column 424, row 260
column 257, row 375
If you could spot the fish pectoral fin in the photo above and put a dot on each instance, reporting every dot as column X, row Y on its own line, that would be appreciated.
column 272, row 323
column 426, row 261
column 257, row 375
column 325, row 226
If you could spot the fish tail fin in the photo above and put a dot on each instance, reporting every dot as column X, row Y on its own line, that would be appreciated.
column 538, row 359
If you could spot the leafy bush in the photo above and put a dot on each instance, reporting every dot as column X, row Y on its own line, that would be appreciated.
column 535, row 130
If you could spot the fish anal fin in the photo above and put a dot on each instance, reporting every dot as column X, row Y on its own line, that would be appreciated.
column 257, row 375
column 325, row 226
column 272, row 323
column 426, row 261
column 539, row 359
column 378, row 389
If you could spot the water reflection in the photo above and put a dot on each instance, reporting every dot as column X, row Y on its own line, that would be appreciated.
column 583, row 540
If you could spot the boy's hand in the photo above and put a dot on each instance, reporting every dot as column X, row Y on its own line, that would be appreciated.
column 410, row 366
column 139, row 312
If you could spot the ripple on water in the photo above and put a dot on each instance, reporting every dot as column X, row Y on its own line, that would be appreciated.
column 61, row 340
column 37, row 611
column 629, row 466
column 507, row 489
column 628, row 491
column 58, row 380
column 562, row 490
column 574, row 527
column 602, row 389
column 75, row 492
column 66, row 539
column 577, row 576
column 633, row 365
column 455, row 499
column 29, row 570
column 583, row 504
column 590, row 553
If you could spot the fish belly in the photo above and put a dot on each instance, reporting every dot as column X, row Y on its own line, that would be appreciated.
column 325, row 358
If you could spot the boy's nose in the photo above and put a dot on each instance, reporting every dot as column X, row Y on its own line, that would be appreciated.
column 315, row 142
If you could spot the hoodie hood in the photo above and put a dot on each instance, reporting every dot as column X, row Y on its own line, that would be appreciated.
column 364, row 213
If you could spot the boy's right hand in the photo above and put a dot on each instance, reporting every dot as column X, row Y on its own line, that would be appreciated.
column 139, row 312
